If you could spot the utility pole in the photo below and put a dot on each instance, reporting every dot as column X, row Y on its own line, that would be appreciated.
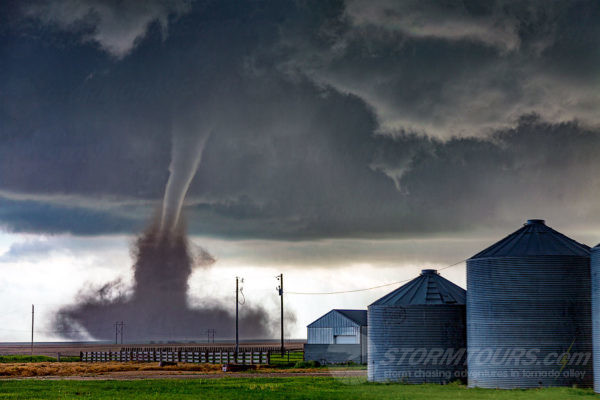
column 32, row 319
column 237, row 302
column 119, row 330
column 238, row 289
column 209, row 333
column 280, row 289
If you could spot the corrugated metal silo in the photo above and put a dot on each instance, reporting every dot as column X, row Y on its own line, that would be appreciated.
column 596, row 315
column 416, row 333
column 529, row 311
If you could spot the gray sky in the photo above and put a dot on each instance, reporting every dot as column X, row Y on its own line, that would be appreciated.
column 355, row 139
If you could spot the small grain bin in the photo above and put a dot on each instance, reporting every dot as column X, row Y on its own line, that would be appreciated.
column 596, row 315
column 416, row 333
column 529, row 311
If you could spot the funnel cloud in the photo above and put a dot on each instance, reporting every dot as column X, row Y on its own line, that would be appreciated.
column 186, row 153
column 157, row 307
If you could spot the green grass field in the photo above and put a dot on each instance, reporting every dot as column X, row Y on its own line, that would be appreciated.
column 35, row 359
column 295, row 359
column 290, row 358
column 264, row 388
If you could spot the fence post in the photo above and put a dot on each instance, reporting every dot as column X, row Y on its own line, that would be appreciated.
column 213, row 355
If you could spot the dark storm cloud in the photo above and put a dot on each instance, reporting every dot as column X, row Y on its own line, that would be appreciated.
column 458, row 68
column 37, row 216
column 411, row 185
column 330, row 119
column 535, row 168
column 493, row 23
column 114, row 25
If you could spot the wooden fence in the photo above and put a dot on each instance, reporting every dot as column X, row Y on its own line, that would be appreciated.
column 185, row 355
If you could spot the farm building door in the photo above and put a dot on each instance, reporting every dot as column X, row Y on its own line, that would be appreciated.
column 345, row 339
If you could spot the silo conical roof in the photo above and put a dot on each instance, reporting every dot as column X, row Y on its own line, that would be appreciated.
column 535, row 238
column 427, row 288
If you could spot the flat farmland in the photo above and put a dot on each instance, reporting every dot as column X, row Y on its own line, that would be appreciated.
column 69, row 380
column 73, row 349
column 266, row 387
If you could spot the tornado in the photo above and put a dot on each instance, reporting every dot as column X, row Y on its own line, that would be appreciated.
column 156, row 306
column 186, row 154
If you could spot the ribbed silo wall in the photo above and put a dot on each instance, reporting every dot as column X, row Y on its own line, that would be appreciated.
column 596, row 315
column 416, row 343
column 529, row 322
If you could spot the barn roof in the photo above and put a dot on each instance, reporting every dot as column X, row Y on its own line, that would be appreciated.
column 358, row 317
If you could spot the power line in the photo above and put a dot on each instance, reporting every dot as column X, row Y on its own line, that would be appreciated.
column 452, row 265
column 242, row 293
column 372, row 287
column 352, row 291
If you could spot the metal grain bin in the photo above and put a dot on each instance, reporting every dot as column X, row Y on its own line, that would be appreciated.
column 529, row 311
column 416, row 333
column 596, row 315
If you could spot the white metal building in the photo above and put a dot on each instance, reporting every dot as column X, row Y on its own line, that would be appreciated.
column 337, row 327
column 338, row 336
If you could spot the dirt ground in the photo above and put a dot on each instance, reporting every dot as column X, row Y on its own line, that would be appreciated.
column 130, row 370
column 131, row 375
column 133, row 370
